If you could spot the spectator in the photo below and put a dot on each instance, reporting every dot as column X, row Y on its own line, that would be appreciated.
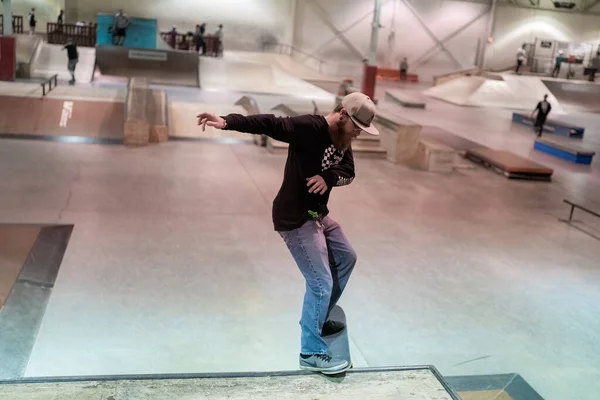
column 403, row 69
column 60, row 21
column 119, row 28
column 521, row 57
column 32, row 22
column 559, row 59
column 73, row 56
column 219, row 37
column 173, row 37
column 199, row 38
column 78, row 27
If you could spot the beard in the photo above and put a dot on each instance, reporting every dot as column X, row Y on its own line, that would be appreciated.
column 342, row 140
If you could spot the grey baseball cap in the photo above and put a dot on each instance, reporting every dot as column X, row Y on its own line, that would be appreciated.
column 362, row 111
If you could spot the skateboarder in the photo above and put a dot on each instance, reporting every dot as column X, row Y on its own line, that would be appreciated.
column 319, row 158
column 543, row 109
column 73, row 56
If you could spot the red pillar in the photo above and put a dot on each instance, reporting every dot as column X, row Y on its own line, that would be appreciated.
column 369, row 79
column 8, row 58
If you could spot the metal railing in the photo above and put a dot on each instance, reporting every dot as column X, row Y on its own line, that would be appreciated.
column 84, row 36
column 187, row 42
column 574, row 206
column 17, row 24
column 53, row 78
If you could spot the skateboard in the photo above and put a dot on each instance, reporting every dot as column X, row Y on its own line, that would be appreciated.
column 339, row 346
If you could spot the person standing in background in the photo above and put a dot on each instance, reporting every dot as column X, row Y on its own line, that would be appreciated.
column 521, row 57
column 202, row 41
column 559, row 59
column 119, row 28
column 403, row 69
column 199, row 38
column 594, row 66
column 543, row 109
column 219, row 37
column 32, row 22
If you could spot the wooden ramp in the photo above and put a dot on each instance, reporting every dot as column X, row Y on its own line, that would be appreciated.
column 510, row 165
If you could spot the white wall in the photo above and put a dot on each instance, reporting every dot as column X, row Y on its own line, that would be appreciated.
column 515, row 26
column 46, row 11
column 244, row 20
column 443, row 17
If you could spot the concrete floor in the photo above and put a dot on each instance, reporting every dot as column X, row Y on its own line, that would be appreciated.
column 173, row 265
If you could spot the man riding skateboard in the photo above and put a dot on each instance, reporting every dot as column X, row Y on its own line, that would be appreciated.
column 319, row 158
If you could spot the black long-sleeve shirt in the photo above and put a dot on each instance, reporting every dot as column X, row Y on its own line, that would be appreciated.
column 311, row 152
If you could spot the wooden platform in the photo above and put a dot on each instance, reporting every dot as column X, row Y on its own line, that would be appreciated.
column 565, row 149
column 510, row 165
column 458, row 143
column 555, row 126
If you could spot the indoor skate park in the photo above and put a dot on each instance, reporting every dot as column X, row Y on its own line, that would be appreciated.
column 138, row 258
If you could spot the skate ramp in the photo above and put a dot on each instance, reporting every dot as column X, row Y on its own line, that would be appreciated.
column 226, row 74
column 26, row 47
column 283, row 62
column 51, row 59
column 512, row 92
column 576, row 96
column 162, row 67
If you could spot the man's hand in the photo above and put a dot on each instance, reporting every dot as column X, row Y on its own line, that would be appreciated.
column 210, row 120
column 317, row 184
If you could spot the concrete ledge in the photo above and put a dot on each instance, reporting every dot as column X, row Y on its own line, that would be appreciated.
column 410, row 382
column 564, row 150
column 403, row 99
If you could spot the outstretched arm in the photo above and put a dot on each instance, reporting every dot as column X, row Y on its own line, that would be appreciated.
column 278, row 128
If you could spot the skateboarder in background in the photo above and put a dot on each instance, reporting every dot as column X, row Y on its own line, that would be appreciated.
column 73, row 56
column 319, row 158
column 543, row 109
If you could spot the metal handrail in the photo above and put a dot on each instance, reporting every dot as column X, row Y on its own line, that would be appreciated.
column 49, row 82
column 573, row 206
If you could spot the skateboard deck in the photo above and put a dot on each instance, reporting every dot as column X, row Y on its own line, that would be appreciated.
column 339, row 346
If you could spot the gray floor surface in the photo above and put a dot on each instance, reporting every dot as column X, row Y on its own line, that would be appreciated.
column 173, row 265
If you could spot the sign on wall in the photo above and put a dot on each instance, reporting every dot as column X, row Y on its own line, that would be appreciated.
column 141, row 32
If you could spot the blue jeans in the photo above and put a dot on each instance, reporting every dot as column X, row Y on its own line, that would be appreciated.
column 326, row 260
